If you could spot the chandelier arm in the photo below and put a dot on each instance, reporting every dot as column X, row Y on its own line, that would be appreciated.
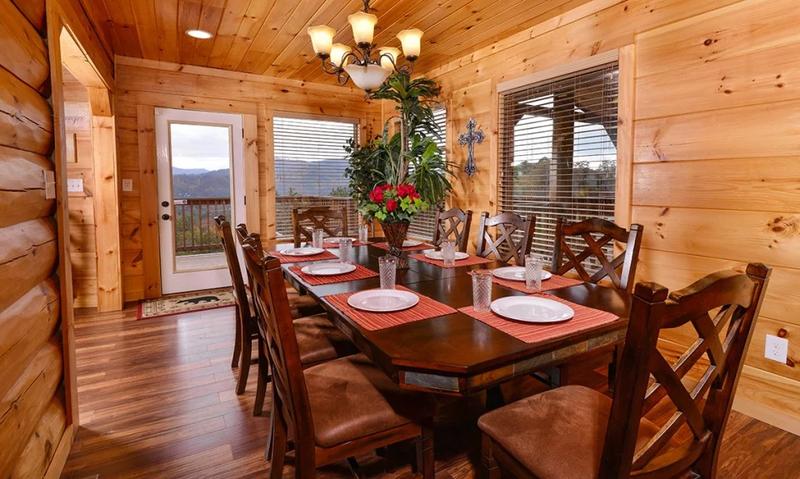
column 366, row 6
column 329, row 68
column 405, row 68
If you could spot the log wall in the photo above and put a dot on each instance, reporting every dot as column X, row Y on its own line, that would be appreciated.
column 32, row 406
column 713, row 142
column 145, row 85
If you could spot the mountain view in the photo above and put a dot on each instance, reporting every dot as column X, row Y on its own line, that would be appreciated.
column 199, row 183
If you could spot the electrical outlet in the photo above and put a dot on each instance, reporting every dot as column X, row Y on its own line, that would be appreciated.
column 776, row 349
column 75, row 185
column 127, row 184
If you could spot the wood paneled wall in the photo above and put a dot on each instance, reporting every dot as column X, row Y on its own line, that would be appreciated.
column 33, row 415
column 143, row 85
column 716, row 172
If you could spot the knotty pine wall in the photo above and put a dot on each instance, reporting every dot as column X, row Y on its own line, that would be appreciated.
column 714, row 135
column 143, row 85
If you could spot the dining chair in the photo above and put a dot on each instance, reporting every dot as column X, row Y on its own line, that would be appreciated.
column 596, row 233
column 503, row 245
column 577, row 432
column 337, row 409
column 455, row 223
column 246, row 327
column 333, row 221
column 302, row 304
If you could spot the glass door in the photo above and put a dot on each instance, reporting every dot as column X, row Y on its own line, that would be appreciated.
column 200, row 176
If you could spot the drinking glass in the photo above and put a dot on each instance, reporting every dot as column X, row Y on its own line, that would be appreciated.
column 317, row 240
column 346, row 250
column 363, row 233
column 533, row 272
column 388, row 271
column 449, row 252
column 481, row 290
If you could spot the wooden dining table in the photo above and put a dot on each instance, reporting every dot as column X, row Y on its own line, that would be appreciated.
column 456, row 354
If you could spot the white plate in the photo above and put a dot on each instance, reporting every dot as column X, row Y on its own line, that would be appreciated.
column 532, row 309
column 433, row 254
column 306, row 251
column 328, row 268
column 383, row 300
column 336, row 239
column 411, row 243
column 517, row 273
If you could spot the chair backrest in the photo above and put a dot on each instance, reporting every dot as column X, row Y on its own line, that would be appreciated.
column 596, row 233
column 454, row 222
column 503, row 245
column 252, row 239
column 305, row 220
column 280, row 343
column 225, row 233
column 722, row 308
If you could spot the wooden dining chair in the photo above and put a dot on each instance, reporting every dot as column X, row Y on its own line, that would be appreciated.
column 577, row 432
column 333, row 221
column 337, row 409
column 246, row 327
column 503, row 245
column 596, row 233
column 453, row 223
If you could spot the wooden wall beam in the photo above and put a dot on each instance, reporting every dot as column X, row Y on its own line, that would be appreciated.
column 23, row 50
column 106, row 206
column 22, row 188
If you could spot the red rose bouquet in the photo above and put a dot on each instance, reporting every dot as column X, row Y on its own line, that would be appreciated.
column 391, row 204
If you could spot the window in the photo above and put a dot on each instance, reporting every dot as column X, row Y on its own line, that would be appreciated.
column 309, row 168
column 558, row 150
column 424, row 224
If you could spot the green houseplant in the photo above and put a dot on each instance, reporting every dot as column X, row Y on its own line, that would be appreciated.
column 406, row 166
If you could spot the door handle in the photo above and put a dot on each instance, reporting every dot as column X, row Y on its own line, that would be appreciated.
column 165, row 217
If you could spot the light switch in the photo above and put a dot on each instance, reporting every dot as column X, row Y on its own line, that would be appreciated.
column 75, row 185
column 127, row 184
column 776, row 348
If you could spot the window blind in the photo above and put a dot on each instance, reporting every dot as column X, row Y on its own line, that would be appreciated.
column 424, row 224
column 309, row 168
column 558, row 150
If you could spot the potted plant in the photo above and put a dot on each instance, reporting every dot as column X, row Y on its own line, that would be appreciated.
column 395, row 176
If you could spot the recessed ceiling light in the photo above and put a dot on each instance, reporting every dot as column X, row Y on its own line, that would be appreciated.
column 200, row 34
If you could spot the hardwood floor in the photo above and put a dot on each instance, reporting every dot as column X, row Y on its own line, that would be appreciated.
column 157, row 400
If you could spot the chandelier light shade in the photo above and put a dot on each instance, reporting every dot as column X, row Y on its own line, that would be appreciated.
column 389, row 56
column 367, row 77
column 339, row 53
column 411, row 40
column 367, row 70
column 321, row 39
column 363, row 25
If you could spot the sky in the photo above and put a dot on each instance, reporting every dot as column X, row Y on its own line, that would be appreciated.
column 200, row 146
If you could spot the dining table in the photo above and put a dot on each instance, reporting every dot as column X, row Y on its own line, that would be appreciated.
column 454, row 353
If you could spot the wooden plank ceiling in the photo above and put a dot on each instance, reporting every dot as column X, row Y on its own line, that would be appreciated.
column 269, row 36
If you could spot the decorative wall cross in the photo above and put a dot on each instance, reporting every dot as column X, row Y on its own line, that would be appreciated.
column 469, row 139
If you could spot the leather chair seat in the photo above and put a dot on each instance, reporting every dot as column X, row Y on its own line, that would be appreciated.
column 351, row 398
column 319, row 340
column 558, row 433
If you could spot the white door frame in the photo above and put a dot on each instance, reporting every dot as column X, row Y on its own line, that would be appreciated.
column 172, row 281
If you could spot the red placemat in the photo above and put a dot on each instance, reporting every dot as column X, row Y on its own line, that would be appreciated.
column 472, row 260
column 419, row 247
column 332, row 245
column 426, row 308
column 555, row 282
column 585, row 318
column 360, row 273
column 302, row 259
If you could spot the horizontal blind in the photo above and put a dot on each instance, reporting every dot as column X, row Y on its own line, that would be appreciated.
column 424, row 224
column 558, row 151
column 310, row 162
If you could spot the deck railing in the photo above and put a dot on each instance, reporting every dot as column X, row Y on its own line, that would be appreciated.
column 194, row 224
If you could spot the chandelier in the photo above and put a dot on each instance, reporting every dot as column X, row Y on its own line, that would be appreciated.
column 358, row 64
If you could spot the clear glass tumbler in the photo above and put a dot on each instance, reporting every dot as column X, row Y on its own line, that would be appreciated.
column 363, row 233
column 481, row 290
column 346, row 250
column 317, row 238
column 449, row 252
column 533, row 272
column 388, row 271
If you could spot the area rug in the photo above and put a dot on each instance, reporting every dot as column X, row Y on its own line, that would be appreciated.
column 185, row 302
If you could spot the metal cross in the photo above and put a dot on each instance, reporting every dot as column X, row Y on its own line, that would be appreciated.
column 469, row 139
